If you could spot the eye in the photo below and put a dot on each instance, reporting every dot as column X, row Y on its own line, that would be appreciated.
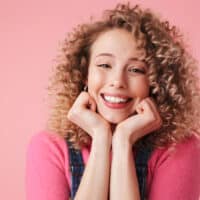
column 104, row 65
column 137, row 70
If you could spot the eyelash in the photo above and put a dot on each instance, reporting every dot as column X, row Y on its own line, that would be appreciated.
column 138, row 70
column 135, row 69
column 104, row 65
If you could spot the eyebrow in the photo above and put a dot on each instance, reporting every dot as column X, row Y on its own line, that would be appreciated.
column 111, row 55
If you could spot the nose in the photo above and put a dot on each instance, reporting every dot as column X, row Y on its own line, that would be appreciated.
column 118, row 79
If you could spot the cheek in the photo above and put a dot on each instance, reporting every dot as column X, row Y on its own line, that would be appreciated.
column 141, row 87
column 145, row 90
column 95, row 82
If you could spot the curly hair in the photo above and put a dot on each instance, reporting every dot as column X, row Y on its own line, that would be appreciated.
column 174, row 84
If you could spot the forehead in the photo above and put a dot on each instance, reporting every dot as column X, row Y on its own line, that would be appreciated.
column 118, row 42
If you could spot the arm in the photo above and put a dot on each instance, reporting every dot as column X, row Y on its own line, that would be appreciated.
column 45, row 173
column 95, row 180
column 124, row 184
column 123, row 173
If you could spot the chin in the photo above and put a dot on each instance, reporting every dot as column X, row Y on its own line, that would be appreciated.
column 113, row 119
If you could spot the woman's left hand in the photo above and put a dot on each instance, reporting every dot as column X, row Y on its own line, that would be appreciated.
column 136, row 126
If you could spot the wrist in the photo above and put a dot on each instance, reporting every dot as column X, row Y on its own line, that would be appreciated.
column 121, row 141
column 126, row 136
column 102, row 137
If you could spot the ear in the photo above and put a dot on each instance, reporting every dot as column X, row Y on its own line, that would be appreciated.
column 86, row 82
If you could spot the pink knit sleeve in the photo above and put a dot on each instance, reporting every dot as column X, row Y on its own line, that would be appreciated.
column 176, row 175
column 45, row 169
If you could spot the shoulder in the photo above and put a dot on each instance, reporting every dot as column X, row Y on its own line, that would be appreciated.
column 178, row 167
column 45, row 137
column 186, row 151
column 45, row 145
column 47, row 170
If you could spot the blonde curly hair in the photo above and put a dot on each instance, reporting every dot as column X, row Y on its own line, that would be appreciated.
column 174, row 84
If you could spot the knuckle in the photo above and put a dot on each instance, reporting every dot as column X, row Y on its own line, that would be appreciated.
column 152, row 117
column 84, row 94
column 72, row 114
column 159, row 122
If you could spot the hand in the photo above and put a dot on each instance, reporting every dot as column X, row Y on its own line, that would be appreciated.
column 145, row 121
column 83, row 113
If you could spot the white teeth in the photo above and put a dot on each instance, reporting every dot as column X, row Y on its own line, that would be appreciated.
column 115, row 99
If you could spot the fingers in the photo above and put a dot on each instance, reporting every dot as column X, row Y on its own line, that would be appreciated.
column 156, row 111
column 83, row 114
column 153, row 107
column 82, row 100
column 92, row 104
column 148, row 106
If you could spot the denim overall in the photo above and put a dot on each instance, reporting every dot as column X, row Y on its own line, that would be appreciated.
column 77, row 169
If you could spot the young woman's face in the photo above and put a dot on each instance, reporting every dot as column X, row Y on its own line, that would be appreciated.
column 117, row 76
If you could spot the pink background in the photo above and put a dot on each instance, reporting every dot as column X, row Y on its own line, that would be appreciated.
column 30, row 35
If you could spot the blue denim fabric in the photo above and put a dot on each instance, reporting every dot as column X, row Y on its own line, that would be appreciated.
column 77, row 169
column 141, row 162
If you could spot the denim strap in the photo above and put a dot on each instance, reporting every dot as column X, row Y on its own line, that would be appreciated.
column 141, row 162
column 76, row 168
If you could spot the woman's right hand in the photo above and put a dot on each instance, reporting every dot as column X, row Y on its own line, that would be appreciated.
column 83, row 113
column 95, row 179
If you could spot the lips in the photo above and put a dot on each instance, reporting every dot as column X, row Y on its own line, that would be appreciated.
column 115, row 100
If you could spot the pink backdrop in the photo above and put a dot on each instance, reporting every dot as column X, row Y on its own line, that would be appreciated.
column 30, row 35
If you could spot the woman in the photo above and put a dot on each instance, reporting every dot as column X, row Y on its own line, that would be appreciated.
column 140, row 92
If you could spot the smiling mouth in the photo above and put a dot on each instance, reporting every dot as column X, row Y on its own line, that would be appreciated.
column 115, row 101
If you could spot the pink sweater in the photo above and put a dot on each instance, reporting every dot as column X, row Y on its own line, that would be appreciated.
column 172, row 175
